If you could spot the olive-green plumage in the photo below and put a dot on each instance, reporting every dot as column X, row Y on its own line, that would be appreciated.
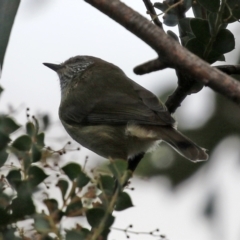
column 108, row 113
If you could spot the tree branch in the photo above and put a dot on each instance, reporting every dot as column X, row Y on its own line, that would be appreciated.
column 169, row 50
column 229, row 69
column 151, row 66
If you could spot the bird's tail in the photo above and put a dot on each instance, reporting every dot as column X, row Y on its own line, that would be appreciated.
column 182, row 144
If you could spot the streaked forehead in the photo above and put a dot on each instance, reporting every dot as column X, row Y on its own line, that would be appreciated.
column 78, row 60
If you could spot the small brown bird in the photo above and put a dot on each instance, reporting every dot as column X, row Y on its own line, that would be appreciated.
column 108, row 113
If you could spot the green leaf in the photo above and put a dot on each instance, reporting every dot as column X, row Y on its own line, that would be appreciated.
column 77, row 234
column 22, row 206
column 23, row 188
column 7, row 125
column 232, row 11
column 185, row 30
column 63, row 185
column 82, row 179
column 200, row 29
column 14, row 176
column 3, row 157
column 198, row 10
column 170, row 19
column 4, row 140
column 196, row 47
column 30, row 128
column 212, row 6
column 42, row 223
column 214, row 56
column 36, row 176
column 184, row 25
column 75, row 208
column 187, row 4
column 212, row 18
column 123, row 202
column 72, row 170
column 95, row 217
column 40, row 140
column 36, row 153
column 22, row 143
column 8, row 10
column 118, row 167
column 106, row 183
column 224, row 42
column 161, row 6
column 4, row 219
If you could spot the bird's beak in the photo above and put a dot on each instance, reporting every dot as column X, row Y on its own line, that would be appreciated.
column 54, row 67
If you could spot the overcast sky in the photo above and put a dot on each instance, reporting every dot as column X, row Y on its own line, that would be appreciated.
column 55, row 30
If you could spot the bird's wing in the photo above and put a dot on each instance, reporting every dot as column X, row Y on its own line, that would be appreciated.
column 117, row 106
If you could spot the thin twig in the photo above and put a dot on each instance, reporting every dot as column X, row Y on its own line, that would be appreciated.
column 152, row 13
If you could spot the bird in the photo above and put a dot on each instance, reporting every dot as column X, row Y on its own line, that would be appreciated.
column 113, row 116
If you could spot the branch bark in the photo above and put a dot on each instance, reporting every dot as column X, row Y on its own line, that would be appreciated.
column 169, row 50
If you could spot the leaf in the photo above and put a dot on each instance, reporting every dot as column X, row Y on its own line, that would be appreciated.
column 23, row 188
column 4, row 219
column 3, row 157
column 22, row 143
column 185, row 30
column 118, row 167
column 30, row 128
column 42, row 223
column 63, row 185
column 224, row 42
column 36, row 176
column 14, row 176
column 123, row 202
column 170, row 19
column 77, row 234
column 40, row 140
column 72, row 170
column 95, row 217
column 214, row 56
column 212, row 18
column 22, row 206
column 106, row 183
column 8, row 125
column 198, row 10
column 82, row 179
column 4, row 140
column 200, row 29
column 187, row 4
column 212, row 6
column 75, row 208
column 232, row 11
column 8, row 10
column 196, row 47
column 36, row 153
